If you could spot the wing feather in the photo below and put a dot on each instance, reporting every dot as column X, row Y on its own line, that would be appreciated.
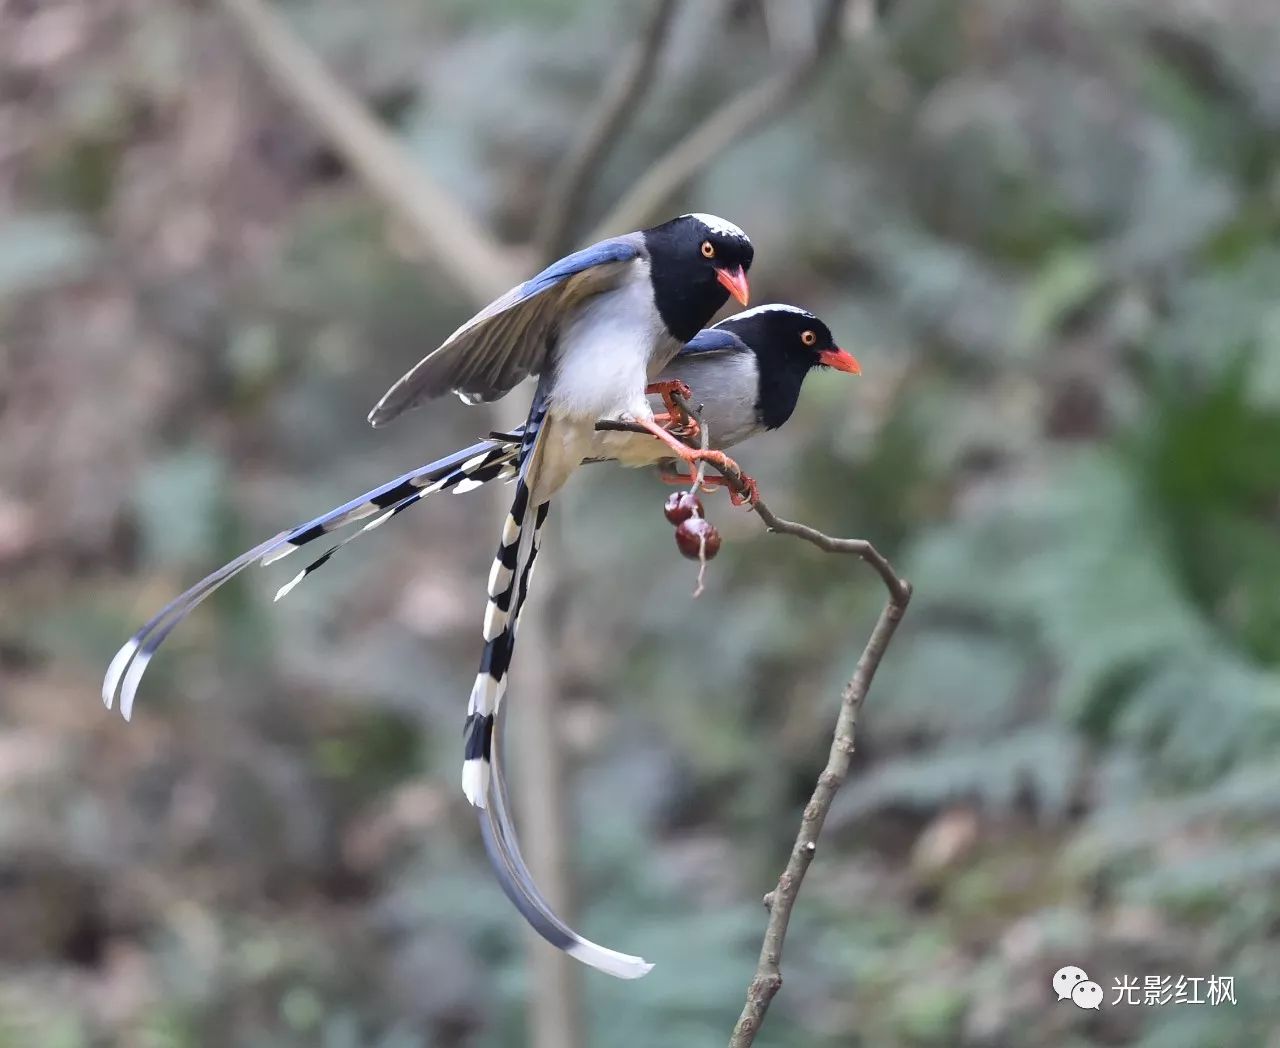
column 711, row 341
column 510, row 339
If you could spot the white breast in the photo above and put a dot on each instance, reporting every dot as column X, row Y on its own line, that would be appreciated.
column 605, row 350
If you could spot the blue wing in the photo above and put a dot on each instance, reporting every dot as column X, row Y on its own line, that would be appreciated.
column 711, row 340
column 617, row 249
column 510, row 338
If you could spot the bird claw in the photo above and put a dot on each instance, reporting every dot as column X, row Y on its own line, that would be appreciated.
column 669, row 389
column 680, row 425
column 750, row 493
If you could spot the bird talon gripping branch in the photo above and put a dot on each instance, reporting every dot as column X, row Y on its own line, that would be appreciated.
column 684, row 427
column 750, row 494
column 721, row 461
column 669, row 389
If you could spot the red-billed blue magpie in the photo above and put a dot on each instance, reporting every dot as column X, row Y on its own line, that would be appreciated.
column 596, row 327
column 746, row 374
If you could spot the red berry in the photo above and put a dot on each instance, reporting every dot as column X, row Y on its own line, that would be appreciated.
column 681, row 505
column 697, row 539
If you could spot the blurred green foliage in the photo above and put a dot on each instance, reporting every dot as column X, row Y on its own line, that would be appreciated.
column 1049, row 231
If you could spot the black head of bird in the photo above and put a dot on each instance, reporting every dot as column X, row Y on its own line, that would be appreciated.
column 696, row 262
column 788, row 342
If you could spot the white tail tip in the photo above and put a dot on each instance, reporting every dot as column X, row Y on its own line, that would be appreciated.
column 111, row 682
column 287, row 588
column 129, row 689
column 619, row 965
column 475, row 781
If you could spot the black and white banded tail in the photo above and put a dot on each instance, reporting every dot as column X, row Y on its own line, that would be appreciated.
column 508, row 587
column 465, row 469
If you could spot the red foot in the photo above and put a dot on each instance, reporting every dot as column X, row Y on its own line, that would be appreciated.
column 751, row 492
column 668, row 386
column 684, row 426
column 668, row 474
column 668, row 389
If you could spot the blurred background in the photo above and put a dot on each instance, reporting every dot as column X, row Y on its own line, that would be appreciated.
column 1047, row 228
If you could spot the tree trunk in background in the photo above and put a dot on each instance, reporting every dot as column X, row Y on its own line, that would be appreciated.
column 538, row 783
column 542, row 804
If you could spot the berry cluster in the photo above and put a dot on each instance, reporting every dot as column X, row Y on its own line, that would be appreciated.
column 696, row 537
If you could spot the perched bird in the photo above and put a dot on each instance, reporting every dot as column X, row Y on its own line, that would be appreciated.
column 596, row 327
column 636, row 302
column 745, row 373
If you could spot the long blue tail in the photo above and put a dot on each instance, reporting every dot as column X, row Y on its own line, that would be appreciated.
column 517, row 883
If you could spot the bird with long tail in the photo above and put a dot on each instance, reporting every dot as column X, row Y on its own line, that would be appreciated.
column 596, row 328
column 747, row 370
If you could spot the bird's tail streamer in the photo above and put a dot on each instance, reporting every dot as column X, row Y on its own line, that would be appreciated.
column 483, row 777
column 487, row 460
column 503, row 850
column 508, row 586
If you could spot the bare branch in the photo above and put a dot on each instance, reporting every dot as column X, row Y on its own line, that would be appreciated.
column 481, row 266
column 725, row 126
column 768, row 976
column 781, row 901
column 621, row 98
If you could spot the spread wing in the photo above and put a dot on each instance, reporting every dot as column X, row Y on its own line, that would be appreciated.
column 510, row 338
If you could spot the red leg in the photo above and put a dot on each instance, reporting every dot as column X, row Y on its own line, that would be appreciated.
column 678, row 422
column 668, row 474
column 715, row 458
column 668, row 386
column 668, row 389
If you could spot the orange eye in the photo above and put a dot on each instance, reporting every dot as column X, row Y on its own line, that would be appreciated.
column 708, row 249
column 809, row 338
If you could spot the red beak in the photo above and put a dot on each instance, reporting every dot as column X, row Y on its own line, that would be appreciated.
column 736, row 282
column 840, row 360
